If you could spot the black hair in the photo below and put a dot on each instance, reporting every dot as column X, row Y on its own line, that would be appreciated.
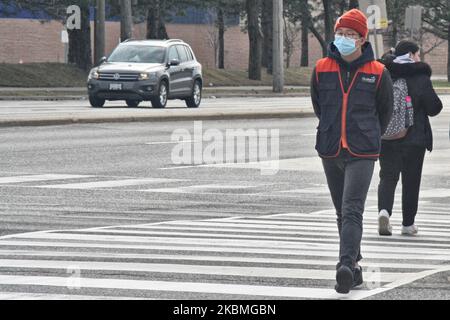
column 405, row 47
column 388, row 57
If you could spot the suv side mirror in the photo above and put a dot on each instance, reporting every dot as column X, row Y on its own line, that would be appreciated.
column 102, row 60
column 174, row 63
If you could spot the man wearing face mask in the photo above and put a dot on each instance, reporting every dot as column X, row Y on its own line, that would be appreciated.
column 352, row 95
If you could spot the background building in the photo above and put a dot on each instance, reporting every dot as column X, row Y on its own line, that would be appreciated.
column 28, row 37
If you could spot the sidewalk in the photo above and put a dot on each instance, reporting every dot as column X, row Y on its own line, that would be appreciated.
column 80, row 93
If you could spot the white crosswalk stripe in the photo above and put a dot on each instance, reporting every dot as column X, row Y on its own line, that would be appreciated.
column 278, row 256
column 47, row 181
column 40, row 177
column 108, row 184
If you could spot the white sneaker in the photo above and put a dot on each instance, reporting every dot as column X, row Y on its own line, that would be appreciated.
column 410, row 231
column 384, row 226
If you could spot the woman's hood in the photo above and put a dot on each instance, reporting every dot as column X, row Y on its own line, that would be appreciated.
column 408, row 69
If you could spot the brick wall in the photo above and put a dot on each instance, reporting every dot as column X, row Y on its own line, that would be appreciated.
column 33, row 41
column 30, row 41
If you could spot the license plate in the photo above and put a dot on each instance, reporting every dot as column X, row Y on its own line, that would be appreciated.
column 115, row 86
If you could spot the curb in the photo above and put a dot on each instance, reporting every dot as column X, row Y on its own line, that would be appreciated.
column 235, row 115
column 42, row 98
column 206, row 96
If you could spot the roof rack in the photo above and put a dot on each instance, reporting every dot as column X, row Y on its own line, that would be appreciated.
column 174, row 40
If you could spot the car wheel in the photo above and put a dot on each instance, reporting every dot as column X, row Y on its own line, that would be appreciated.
column 133, row 103
column 160, row 101
column 96, row 102
column 195, row 100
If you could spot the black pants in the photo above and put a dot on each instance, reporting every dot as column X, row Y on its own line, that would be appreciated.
column 349, row 181
column 407, row 160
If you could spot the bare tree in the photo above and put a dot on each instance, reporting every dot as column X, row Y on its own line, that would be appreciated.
column 328, row 20
column 99, row 49
column 126, row 23
column 305, row 24
column 156, row 24
column 80, row 50
column 213, row 35
column 267, row 30
column 437, row 19
column 291, row 37
column 353, row 4
column 253, row 8
column 427, row 42
column 221, row 35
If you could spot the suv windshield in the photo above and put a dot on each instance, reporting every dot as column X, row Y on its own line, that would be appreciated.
column 138, row 54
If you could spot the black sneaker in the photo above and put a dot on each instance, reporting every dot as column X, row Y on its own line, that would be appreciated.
column 357, row 277
column 344, row 279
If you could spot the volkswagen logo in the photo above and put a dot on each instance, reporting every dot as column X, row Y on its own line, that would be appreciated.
column 116, row 76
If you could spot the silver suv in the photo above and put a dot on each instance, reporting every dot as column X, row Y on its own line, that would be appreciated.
column 147, row 70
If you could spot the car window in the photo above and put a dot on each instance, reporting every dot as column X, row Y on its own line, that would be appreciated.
column 138, row 54
column 173, row 54
column 183, row 54
column 189, row 52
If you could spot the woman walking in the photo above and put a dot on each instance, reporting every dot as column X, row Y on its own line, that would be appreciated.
column 405, row 153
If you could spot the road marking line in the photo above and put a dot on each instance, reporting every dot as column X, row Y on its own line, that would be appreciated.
column 42, row 177
column 331, row 231
column 199, row 188
column 45, row 296
column 402, row 282
column 178, row 248
column 286, row 226
column 298, row 247
column 242, row 243
column 236, row 259
column 264, row 272
column 192, row 287
column 171, row 142
column 333, row 236
column 109, row 184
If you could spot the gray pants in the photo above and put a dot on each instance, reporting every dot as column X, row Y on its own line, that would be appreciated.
column 349, row 180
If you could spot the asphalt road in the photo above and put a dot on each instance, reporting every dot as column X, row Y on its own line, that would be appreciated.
column 106, row 203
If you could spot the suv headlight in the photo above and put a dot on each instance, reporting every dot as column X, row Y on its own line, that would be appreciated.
column 148, row 76
column 93, row 74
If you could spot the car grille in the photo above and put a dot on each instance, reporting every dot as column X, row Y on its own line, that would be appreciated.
column 118, row 76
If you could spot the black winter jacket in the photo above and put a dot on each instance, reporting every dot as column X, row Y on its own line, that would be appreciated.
column 425, row 101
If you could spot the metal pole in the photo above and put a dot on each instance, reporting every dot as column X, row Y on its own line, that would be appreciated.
column 278, row 47
column 375, row 35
